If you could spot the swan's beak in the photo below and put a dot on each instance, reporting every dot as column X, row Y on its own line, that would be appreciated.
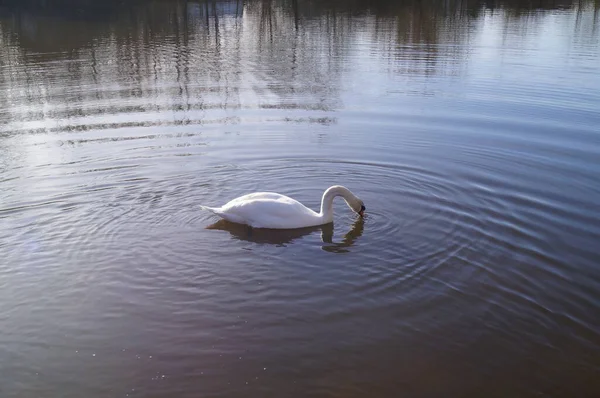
column 362, row 211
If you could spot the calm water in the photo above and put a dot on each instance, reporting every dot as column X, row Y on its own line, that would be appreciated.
column 470, row 131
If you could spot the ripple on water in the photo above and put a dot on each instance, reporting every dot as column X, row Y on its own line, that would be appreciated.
column 477, row 254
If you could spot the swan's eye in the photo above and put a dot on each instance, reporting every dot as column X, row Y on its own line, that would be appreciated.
column 362, row 208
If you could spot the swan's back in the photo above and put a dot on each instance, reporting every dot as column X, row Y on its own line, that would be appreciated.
column 256, row 196
column 267, row 210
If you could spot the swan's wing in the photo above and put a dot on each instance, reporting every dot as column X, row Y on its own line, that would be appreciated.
column 272, row 207
column 256, row 196
column 269, row 212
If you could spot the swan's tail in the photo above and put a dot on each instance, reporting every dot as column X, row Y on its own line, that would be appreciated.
column 221, row 213
column 215, row 210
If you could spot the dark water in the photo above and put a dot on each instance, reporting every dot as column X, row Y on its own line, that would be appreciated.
column 471, row 131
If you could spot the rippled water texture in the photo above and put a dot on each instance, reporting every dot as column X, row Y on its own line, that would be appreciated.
column 470, row 130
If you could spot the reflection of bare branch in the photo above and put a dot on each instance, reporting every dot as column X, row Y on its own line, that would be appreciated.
column 201, row 55
column 266, row 20
column 296, row 14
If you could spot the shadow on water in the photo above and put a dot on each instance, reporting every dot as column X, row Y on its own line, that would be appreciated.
column 348, row 240
column 287, row 236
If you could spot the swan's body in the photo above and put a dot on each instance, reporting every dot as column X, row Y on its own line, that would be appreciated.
column 273, row 210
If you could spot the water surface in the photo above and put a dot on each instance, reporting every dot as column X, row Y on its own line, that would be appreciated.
column 469, row 129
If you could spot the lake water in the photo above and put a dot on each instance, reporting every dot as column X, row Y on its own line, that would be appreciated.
column 471, row 131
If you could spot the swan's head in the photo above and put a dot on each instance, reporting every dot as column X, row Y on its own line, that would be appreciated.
column 357, row 205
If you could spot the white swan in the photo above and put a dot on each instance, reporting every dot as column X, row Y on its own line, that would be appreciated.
column 276, row 211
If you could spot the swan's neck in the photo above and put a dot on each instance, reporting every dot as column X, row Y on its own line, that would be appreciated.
column 327, row 201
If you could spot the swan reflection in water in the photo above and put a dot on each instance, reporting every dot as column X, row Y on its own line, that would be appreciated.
column 285, row 236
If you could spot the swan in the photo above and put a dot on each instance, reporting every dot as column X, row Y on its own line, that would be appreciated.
column 276, row 211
